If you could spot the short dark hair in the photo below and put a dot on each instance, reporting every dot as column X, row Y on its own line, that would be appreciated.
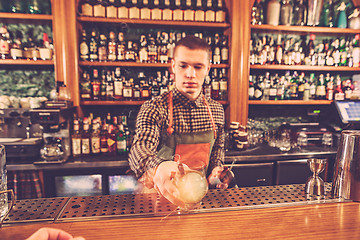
column 194, row 43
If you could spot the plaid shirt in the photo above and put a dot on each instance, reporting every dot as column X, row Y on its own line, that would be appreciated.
column 188, row 116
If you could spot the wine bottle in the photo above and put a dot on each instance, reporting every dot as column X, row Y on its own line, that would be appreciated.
column 299, row 13
column 85, row 87
column 84, row 46
column 34, row 7
column 85, row 138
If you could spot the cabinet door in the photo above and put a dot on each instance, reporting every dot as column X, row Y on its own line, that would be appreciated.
column 294, row 172
column 253, row 175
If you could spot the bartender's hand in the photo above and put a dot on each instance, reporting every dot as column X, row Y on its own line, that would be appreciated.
column 163, row 182
column 215, row 178
column 52, row 234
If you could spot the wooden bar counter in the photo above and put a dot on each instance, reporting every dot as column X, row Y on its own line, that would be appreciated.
column 269, row 212
column 319, row 221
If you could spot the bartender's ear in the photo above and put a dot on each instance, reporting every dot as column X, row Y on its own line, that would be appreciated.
column 173, row 65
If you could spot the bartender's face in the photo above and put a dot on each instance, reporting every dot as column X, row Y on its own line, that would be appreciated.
column 190, row 68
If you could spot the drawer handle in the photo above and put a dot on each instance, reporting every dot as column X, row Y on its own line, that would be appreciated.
column 261, row 180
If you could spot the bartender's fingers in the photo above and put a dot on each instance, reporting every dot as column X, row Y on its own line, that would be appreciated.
column 52, row 234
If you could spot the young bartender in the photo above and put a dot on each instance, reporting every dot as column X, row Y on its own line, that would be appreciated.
column 181, row 122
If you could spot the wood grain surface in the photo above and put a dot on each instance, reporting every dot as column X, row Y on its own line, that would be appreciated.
column 318, row 221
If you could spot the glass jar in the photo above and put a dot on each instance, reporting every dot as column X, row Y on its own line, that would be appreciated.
column 273, row 12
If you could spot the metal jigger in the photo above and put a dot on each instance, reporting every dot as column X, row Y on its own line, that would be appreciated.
column 315, row 185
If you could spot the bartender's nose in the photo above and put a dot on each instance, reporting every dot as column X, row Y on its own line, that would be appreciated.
column 190, row 72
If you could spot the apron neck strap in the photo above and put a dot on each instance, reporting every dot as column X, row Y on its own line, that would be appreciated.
column 170, row 128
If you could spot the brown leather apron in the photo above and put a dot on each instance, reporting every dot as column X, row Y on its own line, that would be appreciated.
column 192, row 149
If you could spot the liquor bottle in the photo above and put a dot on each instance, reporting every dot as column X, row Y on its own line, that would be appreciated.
column 103, row 85
column 129, row 53
column 258, row 94
column 95, row 85
column 76, row 139
column 123, row 10
column 336, row 52
column 330, row 89
column 145, row 88
column 207, row 86
column 121, row 47
column 286, row 11
column 220, row 12
column 17, row 6
column 342, row 18
column 178, row 13
column 223, row 88
column 121, row 144
column 344, row 47
column 189, row 12
column 110, row 85
column 294, row 86
column 136, row 92
column 84, row 46
column 111, row 9
column 145, row 12
column 86, row 8
column 312, row 88
column 347, row 89
column 93, row 46
column 216, row 57
column 104, row 136
column 215, row 85
column 156, row 12
column 111, row 47
column 152, row 49
column 299, row 13
column 143, row 51
column 279, row 50
column 118, row 84
column 99, row 8
column 167, row 13
column 112, row 129
column 355, row 53
column 301, row 86
column 280, row 91
column 306, row 96
column 273, row 12
column 34, row 7
column 257, row 13
column 273, row 88
column 128, row 90
column 224, row 52
column 95, row 137
column 297, row 54
column 155, row 89
column 328, row 14
column 4, row 43
column 163, row 48
column 321, row 88
column 102, row 49
column 329, row 59
column 199, row 11
column 85, row 87
column 16, row 51
column 85, row 138
column 266, row 86
column 134, row 11
column 209, row 13
column 338, row 94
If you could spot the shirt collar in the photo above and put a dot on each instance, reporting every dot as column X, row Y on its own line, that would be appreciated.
column 186, row 102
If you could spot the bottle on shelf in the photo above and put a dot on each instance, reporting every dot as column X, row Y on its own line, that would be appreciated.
column 321, row 88
column 143, row 50
column 123, row 10
column 178, row 12
column 84, row 46
column 86, row 8
column 118, row 84
column 45, row 51
column 328, row 14
column 156, row 12
column 342, row 18
column 167, row 13
column 76, row 139
column 299, row 13
column 223, row 84
column 85, row 137
column 95, row 137
column 17, row 6
column 111, row 47
column 93, row 46
column 121, row 47
column 103, row 85
column 338, row 94
column 224, row 52
column 16, row 51
column 258, row 94
column 286, row 12
column 99, row 8
column 128, row 90
column 209, row 12
column 34, row 7
column 121, row 146
column 111, row 9
column 134, row 11
column 220, row 12
column 257, row 13
column 273, row 12
column 199, row 11
column 5, row 42
column 110, row 85
column 104, row 136
column 216, row 52
column 96, row 85
column 145, row 12
column 189, row 12
column 85, row 87
column 102, row 48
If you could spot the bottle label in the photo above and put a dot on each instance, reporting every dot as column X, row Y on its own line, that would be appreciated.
column 118, row 88
column 224, row 54
column 134, row 13
column 127, row 92
column 210, row 16
column 145, row 14
column 156, row 14
column 167, row 14
column 95, row 144
column 188, row 15
column 123, row 12
column 220, row 16
column 258, row 93
column 215, row 85
column 178, row 15
column 4, row 47
column 121, row 145
column 143, row 55
column 102, row 54
column 99, row 11
column 111, row 12
column 110, row 142
column 87, row 10
column 251, row 92
column 85, row 145
column 84, row 51
column 320, row 90
column 16, row 53
column 76, row 146
column 199, row 16
column 223, row 86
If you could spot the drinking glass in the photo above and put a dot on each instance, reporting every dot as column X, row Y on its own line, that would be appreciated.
column 4, row 199
column 302, row 140
column 327, row 140
column 284, row 141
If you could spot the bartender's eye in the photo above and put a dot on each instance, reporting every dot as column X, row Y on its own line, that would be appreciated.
column 183, row 66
